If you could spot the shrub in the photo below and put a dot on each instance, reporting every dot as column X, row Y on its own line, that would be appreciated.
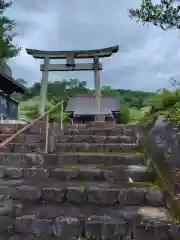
column 165, row 103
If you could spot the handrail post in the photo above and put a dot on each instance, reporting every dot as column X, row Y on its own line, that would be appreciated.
column 62, row 114
column 46, row 133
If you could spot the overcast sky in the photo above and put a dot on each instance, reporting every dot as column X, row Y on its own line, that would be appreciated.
column 147, row 58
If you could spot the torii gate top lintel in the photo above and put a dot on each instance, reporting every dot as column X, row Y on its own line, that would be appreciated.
column 104, row 52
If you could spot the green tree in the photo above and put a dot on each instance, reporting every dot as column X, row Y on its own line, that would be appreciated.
column 166, row 14
column 30, row 110
column 7, row 48
column 124, row 116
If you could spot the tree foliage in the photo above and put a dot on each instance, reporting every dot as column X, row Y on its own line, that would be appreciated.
column 7, row 48
column 30, row 110
column 166, row 103
column 165, row 14
column 62, row 90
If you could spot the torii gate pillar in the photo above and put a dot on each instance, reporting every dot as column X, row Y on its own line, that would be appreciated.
column 97, row 82
column 44, row 83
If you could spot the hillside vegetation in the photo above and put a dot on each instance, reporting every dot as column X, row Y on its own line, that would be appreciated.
column 166, row 103
column 131, row 101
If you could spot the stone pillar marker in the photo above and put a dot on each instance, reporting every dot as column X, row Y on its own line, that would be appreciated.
column 44, row 83
column 70, row 65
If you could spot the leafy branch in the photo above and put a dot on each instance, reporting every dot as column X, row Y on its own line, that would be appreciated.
column 166, row 14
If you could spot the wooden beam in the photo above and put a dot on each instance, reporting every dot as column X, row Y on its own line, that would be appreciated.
column 64, row 67
column 104, row 52
column 61, row 56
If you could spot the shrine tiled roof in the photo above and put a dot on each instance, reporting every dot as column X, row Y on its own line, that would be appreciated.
column 86, row 105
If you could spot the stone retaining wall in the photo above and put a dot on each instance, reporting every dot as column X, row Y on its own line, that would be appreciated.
column 163, row 144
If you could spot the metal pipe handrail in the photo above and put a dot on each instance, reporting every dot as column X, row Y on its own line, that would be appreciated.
column 9, row 139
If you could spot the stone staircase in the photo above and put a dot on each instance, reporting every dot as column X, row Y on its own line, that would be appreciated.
column 93, row 183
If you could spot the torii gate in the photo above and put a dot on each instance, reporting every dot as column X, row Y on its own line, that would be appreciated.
column 70, row 65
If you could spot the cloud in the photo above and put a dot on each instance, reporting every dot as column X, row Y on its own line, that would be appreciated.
column 146, row 59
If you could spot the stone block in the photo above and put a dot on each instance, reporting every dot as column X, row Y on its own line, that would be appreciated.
column 13, row 173
column 6, row 224
column 49, row 159
column 38, row 128
column 8, row 128
column 5, row 207
column 28, row 139
column 106, row 227
column 42, row 227
column 32, row 159
column 63, row 174
column 68, row 159
column 132, row 196
column 151, row 231
column 91, row 174
column 9, row 160
column 102, row 196
column 2, row 172
column 135, row 172
column 67, row 227
column 35, row 173
column 174, row 231
column 5, row 191
column 25, row 224
column 76, row 194
column 53, row 194
column 24, row 148
column 155, row 197
column 26, row 193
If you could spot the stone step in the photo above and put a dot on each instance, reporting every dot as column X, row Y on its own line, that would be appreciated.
column 94, row 139
column 13, row 183
column 34, row 159
column 98, row 125
column 84, row 193
column 137, row 173
column 29, row 138
column 54, row 222
column 100, row 131
column 8, row 128
column 23, row 138
column 23, row 148
column 72, row 147
column 95, row 147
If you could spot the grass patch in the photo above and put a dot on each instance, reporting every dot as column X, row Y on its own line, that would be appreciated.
column 135, row 115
